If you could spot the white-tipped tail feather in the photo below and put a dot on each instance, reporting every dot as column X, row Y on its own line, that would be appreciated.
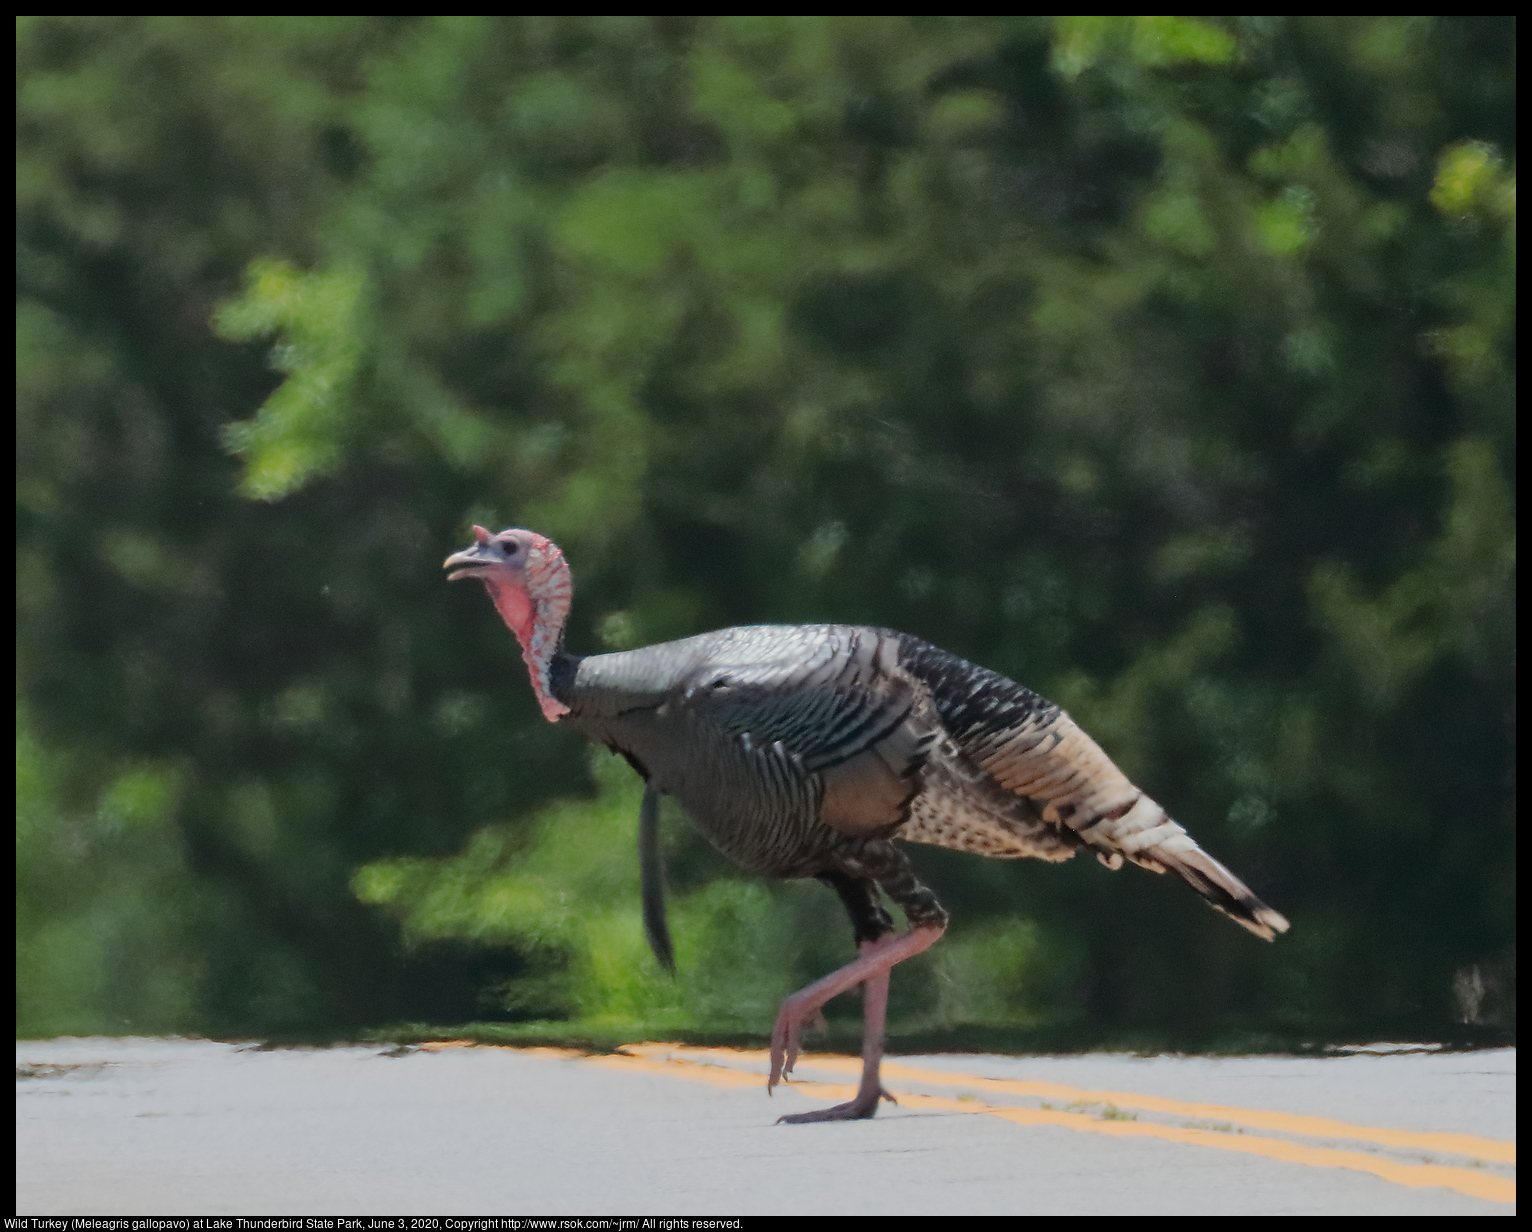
column 1223, row 890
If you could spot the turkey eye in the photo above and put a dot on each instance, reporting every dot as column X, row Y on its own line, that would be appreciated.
column 510, row 549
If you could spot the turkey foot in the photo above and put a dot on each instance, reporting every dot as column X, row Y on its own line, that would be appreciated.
column 870, row 968
column 874, row 1010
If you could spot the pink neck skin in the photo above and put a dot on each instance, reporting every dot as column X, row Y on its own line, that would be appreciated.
column 539, row 641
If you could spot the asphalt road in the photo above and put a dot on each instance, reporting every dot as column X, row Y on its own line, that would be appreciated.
column 144, row 1126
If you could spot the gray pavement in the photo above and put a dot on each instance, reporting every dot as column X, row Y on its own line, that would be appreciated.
column 146, row 1126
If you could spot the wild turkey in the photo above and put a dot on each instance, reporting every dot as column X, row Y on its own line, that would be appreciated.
column 807, row 750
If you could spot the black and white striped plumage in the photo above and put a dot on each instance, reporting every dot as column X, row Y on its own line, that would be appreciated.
column 790, row 744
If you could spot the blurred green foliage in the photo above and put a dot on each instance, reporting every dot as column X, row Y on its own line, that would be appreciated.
column 1164, row 364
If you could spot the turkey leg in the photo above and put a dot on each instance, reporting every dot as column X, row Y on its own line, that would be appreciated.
column 871, row 969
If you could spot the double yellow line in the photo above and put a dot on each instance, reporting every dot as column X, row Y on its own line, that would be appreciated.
column 1219, row 1128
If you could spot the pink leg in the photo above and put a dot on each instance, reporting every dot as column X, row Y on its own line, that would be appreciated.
column 870, row 969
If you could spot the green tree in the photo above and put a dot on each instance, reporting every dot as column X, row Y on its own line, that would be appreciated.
column 1165, row 364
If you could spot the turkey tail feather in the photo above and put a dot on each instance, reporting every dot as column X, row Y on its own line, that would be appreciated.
column 1222, row 889
column 1146, row 834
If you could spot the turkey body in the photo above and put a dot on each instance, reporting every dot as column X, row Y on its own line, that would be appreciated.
column 813, row 750
column 801, row 750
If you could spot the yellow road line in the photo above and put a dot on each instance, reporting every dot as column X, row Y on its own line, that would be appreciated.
column 1416, row 1176
column 1491, row 1149
column 702, row 1065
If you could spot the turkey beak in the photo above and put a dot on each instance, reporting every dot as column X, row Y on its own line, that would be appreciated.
column 471, row 562
column 467, row 563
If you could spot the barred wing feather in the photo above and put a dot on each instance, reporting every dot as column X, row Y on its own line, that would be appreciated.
column 1034, row 752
